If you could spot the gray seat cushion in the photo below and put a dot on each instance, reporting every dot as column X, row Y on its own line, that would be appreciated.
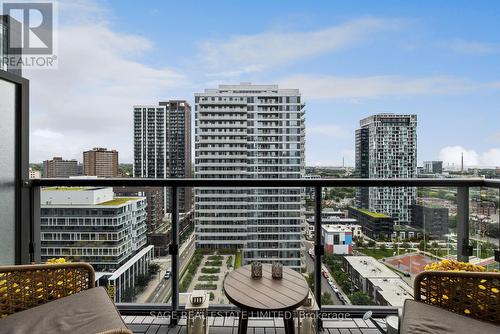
column 423, row 318
column 90, row 311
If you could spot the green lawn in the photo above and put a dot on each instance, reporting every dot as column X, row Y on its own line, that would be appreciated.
column 376, row 253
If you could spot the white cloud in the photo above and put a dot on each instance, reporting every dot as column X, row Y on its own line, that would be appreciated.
column 473, row 47
column 251, row 53
column 88, row 100
column 451, row 156
column 332, row 87
column 332, row 130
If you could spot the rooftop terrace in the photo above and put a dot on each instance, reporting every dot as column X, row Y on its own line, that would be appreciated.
column 372, row 214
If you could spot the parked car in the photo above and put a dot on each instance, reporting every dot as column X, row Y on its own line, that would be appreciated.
column 407, row 274
column 324, row 273
column 167, row 274
column 330, row 281
column 334, row 288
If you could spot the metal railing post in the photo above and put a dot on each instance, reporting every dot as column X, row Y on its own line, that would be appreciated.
column 34, row 225
column 497, row 251
column 463, row 248
column 318, row 249
column 174, row 252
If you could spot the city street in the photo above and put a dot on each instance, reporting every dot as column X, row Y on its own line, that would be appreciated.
column 325, row 287
column 163, row 286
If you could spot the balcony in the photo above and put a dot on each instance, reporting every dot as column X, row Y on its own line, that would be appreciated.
column 223, row 318
column 21, row 213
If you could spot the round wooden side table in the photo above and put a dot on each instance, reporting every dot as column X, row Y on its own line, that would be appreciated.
column 266, row 294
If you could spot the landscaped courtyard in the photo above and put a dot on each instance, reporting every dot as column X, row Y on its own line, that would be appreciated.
column 207, row 270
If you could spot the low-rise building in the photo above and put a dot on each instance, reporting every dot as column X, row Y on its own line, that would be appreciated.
column 372, row 277
column 309, row 226
column 337, row 239
column 34, row 174
column 483, row 208
column 389, row 291
column 91, row 225
column 373, row 224
column 404, row 232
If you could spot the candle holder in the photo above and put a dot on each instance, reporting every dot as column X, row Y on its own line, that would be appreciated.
column 277, row 270
column 256, row 270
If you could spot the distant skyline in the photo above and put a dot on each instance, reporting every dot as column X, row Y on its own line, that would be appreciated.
column 349, row 59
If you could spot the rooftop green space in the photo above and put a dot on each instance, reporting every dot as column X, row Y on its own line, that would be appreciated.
column 66, row 188
column 372, row 214
column 118, row 201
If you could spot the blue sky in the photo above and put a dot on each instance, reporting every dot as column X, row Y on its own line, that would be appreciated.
column 437, row 59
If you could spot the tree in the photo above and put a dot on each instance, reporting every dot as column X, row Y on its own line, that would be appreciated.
column 382, row 247
column 153, row 268
column 360, row 298
column 423, row 245
column 326, row 299
column 492, row 230
column 371, row 243
column 310, row 281
column 141, row 281
column 405, row 245
column 434, row 245
column 452, row 221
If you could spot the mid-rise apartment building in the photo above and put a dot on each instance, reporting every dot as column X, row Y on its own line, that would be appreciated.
column 100, row 162
column 373, row 224
column 386, row 147
column 433, row 220
column 162, row 145
column 91, row 225
column 256, row 132
column 59, row 168
column 433, row 167
column 154, row 198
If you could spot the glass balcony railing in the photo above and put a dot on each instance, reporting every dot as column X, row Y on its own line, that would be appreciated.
column 354, row 260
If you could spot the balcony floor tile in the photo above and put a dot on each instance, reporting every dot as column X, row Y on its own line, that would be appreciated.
column 229, row 325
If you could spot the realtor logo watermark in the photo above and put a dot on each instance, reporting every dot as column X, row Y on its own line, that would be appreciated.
column 31, row 34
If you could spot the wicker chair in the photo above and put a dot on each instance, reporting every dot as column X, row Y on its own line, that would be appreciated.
column 472, row 294
column 24, row 287
column 453, row 302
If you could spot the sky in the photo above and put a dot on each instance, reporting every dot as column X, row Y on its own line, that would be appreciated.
column 439, row 60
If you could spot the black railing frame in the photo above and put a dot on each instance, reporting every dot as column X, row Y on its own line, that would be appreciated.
column 463, row 248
